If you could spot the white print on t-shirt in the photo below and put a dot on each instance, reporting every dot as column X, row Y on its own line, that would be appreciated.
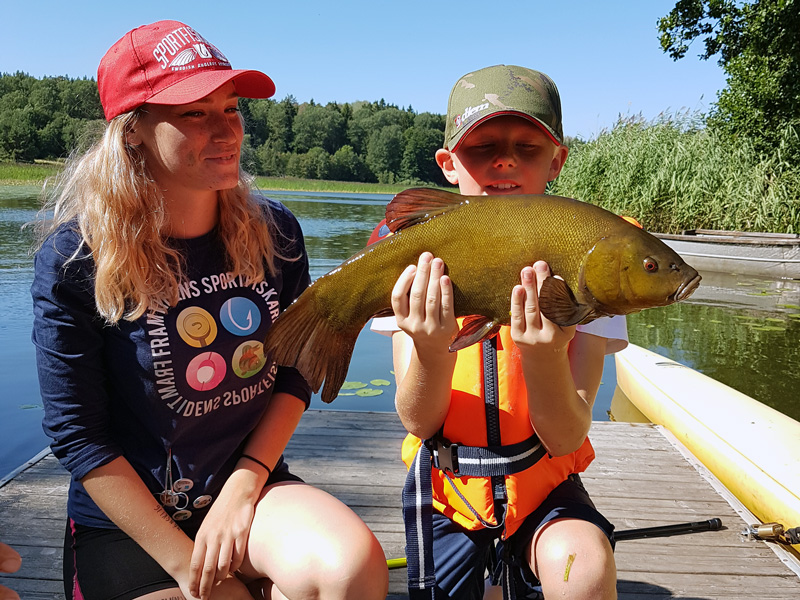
column 185, row 356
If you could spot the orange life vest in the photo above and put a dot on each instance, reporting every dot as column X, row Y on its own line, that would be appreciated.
column 466, row 424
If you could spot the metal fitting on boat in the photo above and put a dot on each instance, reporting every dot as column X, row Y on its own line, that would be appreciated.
column 769, row 532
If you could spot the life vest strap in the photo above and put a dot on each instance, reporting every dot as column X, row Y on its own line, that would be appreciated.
column 462, row 461
column 489, row 461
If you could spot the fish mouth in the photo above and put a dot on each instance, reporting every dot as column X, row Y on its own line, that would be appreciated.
column 686, row 288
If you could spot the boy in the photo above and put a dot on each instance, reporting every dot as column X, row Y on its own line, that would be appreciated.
column 528, row 391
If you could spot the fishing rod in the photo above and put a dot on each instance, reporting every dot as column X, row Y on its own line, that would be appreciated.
column 628, row 534
column 665, row 530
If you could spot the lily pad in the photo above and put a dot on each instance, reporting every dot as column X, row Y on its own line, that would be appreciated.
column 379, row 382
column 353, row 385
column 763, row 293
column 369, row 392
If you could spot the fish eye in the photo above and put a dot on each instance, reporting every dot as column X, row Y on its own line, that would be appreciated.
column 650, row 265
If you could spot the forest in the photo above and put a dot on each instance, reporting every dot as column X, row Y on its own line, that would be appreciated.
column 45, row 119
column 736, row 166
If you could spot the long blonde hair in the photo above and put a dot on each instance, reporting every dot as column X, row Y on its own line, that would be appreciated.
column 120, row 213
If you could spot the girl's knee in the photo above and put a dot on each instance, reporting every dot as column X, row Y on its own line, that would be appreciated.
column 359, row 573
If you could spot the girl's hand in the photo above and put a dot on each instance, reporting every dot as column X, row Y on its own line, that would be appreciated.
column 422, row 300
column 531, row 331
column 230, row 588
column 10, row 562
column 221, row 542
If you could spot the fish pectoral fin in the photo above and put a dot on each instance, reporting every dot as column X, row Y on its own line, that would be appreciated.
column 558, row 303
column 476, row 328
column 417, row 205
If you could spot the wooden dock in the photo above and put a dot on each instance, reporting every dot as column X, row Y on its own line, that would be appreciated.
column 642, row 477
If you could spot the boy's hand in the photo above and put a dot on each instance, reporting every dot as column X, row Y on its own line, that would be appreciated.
column 531, row 331
column 422, row 300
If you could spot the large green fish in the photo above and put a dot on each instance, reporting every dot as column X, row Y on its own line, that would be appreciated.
column 605, row 266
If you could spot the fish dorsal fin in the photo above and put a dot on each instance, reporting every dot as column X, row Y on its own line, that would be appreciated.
column 558, row 303
column 476, row 328
column 417, row 205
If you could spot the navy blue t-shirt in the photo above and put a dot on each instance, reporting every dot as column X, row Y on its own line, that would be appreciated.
column 188, row 382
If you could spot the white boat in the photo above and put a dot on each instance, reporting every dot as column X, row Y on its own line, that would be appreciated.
column 774, row 255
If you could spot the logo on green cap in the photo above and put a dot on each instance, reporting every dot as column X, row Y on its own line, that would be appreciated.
column 498, row 90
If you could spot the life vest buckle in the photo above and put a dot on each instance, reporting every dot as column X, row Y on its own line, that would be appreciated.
column 445, row 455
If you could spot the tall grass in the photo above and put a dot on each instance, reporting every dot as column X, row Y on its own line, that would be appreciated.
column 318, row 185
column 19, row 173
column 671, row 174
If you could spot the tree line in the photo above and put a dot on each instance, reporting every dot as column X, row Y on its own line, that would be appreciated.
column 362, row 141
column 756, row 42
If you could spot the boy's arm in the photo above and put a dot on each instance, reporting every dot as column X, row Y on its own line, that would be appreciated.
column 422, row 300
column 562, row 378
column 423, row 389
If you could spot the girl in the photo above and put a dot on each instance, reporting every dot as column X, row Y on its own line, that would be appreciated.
column 155, row 281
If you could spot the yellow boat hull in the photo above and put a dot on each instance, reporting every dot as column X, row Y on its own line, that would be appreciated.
column 751, row 448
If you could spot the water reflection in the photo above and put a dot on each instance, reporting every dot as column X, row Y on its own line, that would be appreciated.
column 742, row 331
column 333, row 225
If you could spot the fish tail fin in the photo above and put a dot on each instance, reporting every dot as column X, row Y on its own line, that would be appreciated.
column 303, row 338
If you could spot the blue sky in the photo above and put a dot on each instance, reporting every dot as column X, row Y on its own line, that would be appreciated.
column 603, row 55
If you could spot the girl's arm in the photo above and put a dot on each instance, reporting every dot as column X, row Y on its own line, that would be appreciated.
column 221, row 542
column 562, row 370
column 422, row 300
column 119, row 492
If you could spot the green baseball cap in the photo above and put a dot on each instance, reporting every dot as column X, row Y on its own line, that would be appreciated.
column 502, row 90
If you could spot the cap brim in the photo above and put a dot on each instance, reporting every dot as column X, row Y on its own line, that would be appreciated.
column 501, row 113
column 249, row 84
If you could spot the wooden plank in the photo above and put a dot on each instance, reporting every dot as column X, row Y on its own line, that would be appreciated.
column 638, row 479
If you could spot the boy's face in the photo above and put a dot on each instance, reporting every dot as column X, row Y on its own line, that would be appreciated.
column 504, row 155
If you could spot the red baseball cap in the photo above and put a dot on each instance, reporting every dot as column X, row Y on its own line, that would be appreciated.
column 168, row 62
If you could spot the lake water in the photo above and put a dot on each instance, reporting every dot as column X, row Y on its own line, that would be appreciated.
column 744, row 332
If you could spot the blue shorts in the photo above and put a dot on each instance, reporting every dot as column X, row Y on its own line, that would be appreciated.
column 461, row 556
column 106, row 564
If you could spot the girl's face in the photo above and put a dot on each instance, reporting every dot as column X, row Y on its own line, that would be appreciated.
column 192, row 149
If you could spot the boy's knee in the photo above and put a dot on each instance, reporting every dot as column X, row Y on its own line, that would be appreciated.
column 575, row 560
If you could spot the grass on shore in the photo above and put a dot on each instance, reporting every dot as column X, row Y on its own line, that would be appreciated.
column 293, row 184
column 27, row 174
column 36, row 173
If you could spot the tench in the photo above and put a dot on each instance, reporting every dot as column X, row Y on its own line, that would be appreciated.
column 605, row 266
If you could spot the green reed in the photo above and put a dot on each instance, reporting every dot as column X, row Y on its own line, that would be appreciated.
column 319, row 185
column 673, row 174
column 21, row 173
